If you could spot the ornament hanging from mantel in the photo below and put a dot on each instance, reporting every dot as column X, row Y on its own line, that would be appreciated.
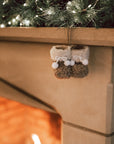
column 70, row 61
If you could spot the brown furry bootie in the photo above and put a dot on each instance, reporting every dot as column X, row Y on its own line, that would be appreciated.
column 63, row 71
column 61, row 56
column 80, row 55
column 79, row 70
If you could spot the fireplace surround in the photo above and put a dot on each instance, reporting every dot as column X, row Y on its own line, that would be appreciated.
column 85, row 105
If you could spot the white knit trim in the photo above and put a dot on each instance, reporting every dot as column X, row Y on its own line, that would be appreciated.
column 69, row 55
column 80, row 55
column 58, row 54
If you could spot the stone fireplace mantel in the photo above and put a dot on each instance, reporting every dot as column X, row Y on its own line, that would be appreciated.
column 85, row 105
column 86, row 36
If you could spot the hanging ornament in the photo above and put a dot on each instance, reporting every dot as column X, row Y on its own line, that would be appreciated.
column 80, row 54
column 60, row 54
column 70, row 61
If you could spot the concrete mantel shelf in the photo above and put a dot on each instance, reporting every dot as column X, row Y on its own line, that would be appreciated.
column 86, row 36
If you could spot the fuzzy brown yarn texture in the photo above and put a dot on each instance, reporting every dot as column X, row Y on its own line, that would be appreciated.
column 63, row 72
column 79, row 70
column 78, row 54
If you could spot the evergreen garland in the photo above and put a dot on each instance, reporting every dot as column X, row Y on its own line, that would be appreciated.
column 56, row 13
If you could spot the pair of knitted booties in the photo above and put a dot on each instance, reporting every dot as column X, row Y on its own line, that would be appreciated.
column 70, row 61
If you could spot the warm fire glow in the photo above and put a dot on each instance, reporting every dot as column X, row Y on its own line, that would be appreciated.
column 36, row 139
column 29, row 125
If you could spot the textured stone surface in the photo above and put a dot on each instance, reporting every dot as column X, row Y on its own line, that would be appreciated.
column 79, row 101
column 10, row 93
column 85, row 36
column 77, row 136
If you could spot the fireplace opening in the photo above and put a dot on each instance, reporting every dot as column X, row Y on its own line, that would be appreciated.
column 22, row 124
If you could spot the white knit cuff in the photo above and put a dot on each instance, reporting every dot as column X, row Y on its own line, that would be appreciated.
column 81, row 55
column 60, row 53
